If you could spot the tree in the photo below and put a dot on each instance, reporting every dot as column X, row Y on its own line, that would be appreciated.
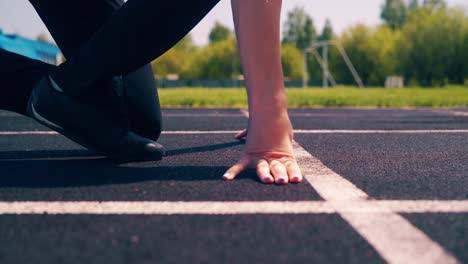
column 327, row 32
column 186, row 44
column 433, row 45
column 434, row 4
column 219, row 33
column 394, row 13
column 372, row 50
column 464, row 55
column 299, row 29
column 213, row 61
column 413, row 5
column 175, row 60
column 291, row 58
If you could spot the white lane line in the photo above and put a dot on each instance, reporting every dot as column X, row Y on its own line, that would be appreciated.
column 245, row 112
column 396, row 239
column 338, row 131
column 11, row 133
column 165, row 208
column 298, row 131
column 56, row 158
column 451, row 112
column 400, row 206
column 201, row 115
column 326, row 182
column 233, row 208
column 422, row 206
column 175, row 132
column 183, row 132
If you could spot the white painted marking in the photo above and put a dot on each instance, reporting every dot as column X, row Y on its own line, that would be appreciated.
column 232, row 208
column 423, row 206
column 396, row 239
column 13, row 133
column 345, row 114
column 56, row 158
column 338, row 131
column 326, row 182
column 200, row 115
column 188, row 132
column 245, row 112
column 400, row 206
column 164, row 208
column 299, row 131
column 451, row 112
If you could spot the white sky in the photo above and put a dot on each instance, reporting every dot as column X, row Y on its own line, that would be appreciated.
column 17, row 16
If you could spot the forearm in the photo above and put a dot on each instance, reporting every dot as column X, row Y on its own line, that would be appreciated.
column 257, row 24
column 270, row 132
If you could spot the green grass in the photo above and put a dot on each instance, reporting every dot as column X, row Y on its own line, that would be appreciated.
column 452, row 96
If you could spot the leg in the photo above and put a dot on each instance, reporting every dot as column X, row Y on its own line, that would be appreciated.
column 125, row 42
column 18, row 74
column 64, row 19
column 102, row 126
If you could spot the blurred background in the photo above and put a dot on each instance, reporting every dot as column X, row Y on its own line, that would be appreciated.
column 377, row 43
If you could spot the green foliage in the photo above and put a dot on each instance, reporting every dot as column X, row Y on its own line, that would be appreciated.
column 413, row 5
column 214, row 61
column 219, row 33
column 433, row 47
column 186, row 44
column 175, row 59
column 299, row 29
column 394, row 13
column 464, row 56
column 425, row 42
column 327, row 32
column 291, row 58
column 372, row 51
column 434, row 4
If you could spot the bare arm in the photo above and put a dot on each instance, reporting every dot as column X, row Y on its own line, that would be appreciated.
column 257, row 24
column 270, row 134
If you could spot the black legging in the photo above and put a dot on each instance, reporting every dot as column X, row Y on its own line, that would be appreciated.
column 18, row 75
column 136, row 34
column 99, row 43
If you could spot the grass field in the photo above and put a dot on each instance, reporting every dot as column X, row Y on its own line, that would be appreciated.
column 452, row 96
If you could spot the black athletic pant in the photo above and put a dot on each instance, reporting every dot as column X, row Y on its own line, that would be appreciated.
column 99, row 43
column 18, row 75
column 139, row 32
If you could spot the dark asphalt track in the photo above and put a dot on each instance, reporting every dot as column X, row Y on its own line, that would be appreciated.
column 386, row 166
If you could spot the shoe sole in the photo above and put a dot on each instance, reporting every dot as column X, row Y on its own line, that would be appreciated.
column 44, row 121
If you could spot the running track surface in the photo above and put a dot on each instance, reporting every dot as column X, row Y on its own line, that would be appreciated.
column 381, row 186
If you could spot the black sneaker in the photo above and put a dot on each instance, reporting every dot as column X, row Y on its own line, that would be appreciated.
column 89, row 125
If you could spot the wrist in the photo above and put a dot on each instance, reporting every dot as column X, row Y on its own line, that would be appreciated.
column 268, row 106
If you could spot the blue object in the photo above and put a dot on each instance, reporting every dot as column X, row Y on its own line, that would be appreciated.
column 33, row 49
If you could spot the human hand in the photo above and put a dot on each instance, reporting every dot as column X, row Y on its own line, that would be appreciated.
column 269, row 151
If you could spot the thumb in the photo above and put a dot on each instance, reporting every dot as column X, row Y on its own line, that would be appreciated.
column 241, row 134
